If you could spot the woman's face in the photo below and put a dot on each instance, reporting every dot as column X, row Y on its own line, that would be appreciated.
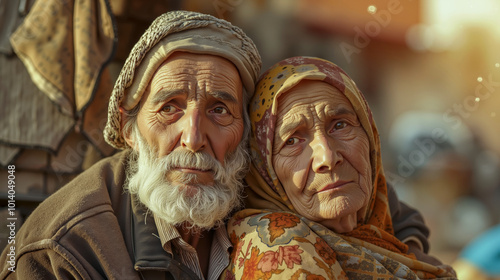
column 321, row 155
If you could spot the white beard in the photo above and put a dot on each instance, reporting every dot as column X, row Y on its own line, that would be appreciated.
column 177, row 204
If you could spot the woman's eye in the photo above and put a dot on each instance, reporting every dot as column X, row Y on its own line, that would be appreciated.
column 339, row 125
column 291, row 141
column 219, row 110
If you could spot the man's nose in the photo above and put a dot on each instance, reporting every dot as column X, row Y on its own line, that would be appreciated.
column 324, row 156
column 193, row 137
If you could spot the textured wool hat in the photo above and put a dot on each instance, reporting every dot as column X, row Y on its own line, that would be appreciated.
column 172, row 32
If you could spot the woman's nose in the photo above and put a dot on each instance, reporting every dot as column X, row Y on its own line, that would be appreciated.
column 193, row 137
column 325, row 154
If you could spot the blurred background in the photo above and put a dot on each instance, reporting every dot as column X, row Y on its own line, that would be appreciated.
column 430, row 70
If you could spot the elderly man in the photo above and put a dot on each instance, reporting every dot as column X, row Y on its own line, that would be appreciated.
column 179, row 110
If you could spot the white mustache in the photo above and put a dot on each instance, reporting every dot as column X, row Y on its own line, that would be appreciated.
column 188, row 159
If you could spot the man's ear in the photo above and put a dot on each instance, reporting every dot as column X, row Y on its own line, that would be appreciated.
column 127, row 136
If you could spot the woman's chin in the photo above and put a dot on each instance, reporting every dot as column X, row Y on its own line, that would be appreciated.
column 342, row 225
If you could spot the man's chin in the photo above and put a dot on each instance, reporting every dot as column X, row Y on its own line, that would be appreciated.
column 190, row 190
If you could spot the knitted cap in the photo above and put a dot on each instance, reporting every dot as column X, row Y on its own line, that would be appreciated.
column 172, row 32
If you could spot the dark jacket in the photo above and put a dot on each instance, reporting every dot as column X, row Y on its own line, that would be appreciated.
column 90, row 229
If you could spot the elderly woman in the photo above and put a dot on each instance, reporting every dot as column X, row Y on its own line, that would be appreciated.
column 317, row 198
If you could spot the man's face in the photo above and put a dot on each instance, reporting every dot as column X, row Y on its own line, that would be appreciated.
column 194, row 103
column 188, row 141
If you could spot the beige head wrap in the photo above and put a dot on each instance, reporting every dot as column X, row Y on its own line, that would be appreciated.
column 171, row 32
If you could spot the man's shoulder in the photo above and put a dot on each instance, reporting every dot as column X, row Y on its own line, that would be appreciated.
column 87, row 195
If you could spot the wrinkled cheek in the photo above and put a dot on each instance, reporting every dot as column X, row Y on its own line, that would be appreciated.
column 229, row 139
column 298, row 179
column 279, row 166
column 363, row 166
column 165, row 143
column 366, row 186
column 366, row 181
column 162, row 138
column 288, row 175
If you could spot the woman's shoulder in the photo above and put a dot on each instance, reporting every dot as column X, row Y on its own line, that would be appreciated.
column 278, row 245
column 270, row 227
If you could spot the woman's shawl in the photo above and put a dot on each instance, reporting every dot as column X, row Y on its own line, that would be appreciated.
column 271, row 240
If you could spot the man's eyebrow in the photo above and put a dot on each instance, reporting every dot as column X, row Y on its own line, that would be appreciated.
column 165, row 94
column 222, row 95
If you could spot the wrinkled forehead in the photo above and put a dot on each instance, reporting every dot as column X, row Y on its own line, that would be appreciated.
column 186, row 71
column 312, row 97
column 198, row 66
column 195, row 76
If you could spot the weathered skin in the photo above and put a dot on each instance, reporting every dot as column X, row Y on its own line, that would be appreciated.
column 321, row 155
column 194, row 102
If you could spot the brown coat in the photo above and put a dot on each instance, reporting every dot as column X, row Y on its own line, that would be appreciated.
column 89, row 229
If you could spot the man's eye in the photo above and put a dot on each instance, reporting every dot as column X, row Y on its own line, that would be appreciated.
column 291, row 141
column 168, row 109
column 219, row 110
column 339, row 125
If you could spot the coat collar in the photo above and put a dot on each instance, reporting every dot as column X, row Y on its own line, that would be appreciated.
column 148, row 252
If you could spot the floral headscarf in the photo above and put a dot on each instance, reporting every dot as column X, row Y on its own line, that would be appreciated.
column 272, row 239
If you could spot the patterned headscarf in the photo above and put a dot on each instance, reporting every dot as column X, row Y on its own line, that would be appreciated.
column 263, row 109
column 374, row 232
